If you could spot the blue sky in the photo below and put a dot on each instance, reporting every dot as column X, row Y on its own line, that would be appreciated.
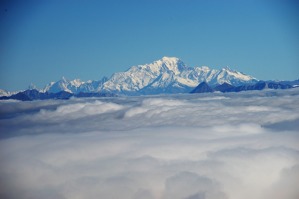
column 41, row 41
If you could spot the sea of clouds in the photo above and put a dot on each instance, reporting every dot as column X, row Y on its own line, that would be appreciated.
column 202, row 146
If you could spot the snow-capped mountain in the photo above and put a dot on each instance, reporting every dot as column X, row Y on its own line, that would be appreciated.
column 170, row 74
column 167, row 75
column 155, row 77
column 74, row 86
column 7, row 93
column 4, row 93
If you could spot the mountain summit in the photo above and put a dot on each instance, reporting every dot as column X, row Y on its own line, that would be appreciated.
column 156, row 77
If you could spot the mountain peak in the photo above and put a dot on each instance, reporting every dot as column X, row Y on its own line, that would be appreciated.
column 76, row 82
column 64, row 79
column 204, row 68
column 203, row 87
column 227, row 68
column 32, row 86
column 173, row 64
column 170, row 59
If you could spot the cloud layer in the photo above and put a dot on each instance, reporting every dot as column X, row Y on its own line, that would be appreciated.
column 205, row 146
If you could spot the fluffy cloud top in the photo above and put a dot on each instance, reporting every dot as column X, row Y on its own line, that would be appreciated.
column 205, row 146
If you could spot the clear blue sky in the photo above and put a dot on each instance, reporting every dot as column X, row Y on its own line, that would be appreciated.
column 41, row 41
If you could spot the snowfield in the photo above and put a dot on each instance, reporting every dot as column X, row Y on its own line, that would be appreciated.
column 202, row 146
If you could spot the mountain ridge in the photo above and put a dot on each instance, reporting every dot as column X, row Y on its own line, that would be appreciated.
column 166, row 75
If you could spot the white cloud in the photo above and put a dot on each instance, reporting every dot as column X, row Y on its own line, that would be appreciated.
column 287, row 185
column 190, row 185
column 230, row 146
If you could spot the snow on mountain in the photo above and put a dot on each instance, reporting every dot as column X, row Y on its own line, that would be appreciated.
column 7, row 93
column 91, row 86
column 61, row 85
column 4, row 93
column 47, row 87
column 74, row 86
column 167, row 75
column 32, row 86
column 227, row 75
column 159, row 74
column 171, row 74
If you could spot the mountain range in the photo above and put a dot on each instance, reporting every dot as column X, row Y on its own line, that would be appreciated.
column 170, row 75
column 167, row 75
